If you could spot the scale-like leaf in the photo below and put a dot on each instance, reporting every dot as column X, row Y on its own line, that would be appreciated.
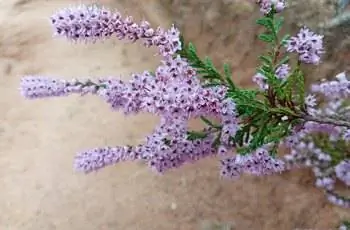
column 195, row 135
column 192, row 48
column 284, row 60
column 300, row 88
column 285, row 39
column 227, row 70
column 265, row 21
column 209, row 85
column 209, row 63
column 290, row 83
column 228, row 76
column 266, row 37
column 266, row 59
column 208, row 122
column 278, row 24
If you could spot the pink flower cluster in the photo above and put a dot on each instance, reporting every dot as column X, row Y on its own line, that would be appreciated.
column 259, row 163
column 166, row 148
column 308, row 45
column 337, row 199
column 91, row 23
column 267, row 5
column 33, row 87
column 174, row 93
column 175, row 90
column 336, row 89
column 342, row 170
column 306, row 152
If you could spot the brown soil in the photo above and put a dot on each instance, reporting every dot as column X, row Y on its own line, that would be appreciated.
column 38, row 140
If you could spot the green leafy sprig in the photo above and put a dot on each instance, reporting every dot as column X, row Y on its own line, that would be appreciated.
column 260, row 114
column 265, row 117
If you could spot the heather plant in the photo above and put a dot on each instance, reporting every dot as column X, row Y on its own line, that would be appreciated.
column 245, row 128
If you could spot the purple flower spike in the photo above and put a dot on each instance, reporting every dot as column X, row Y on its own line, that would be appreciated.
column 33, row 87
column 335, row 89
column 282, row 71
column 342, row 171
column 38, row 87
column 85, row 23
column 259, row 163
column 91, row 23
column 98, row 158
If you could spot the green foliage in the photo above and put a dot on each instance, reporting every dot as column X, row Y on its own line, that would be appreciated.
column 260, row 112
column 228, row 76
column 266, row 37
column 266, row 116
column 272, row 25
column 267, row 22
column 194, row 135
column 205, row 68
column 284, row 60
column 265, row 59
column 210, row 123
column 278, row 24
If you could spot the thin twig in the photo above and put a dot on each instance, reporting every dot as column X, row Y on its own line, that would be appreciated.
column 326, row 120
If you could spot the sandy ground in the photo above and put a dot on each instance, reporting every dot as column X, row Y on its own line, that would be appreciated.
column 38, row 140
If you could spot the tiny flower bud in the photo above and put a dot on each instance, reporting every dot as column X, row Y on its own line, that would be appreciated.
column 284, row 118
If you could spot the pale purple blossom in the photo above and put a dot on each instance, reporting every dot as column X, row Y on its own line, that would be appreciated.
column 176, row 95
column 282, row 71
column 166, row 148
column 305, row 152
column 279, row 5
column 267, row 5
column 229, row 121
column 342, row 171
column 338, row 200
column 325, row 182
column 97, row 158
column 33, row 87
column 346, row 135
column 310, row 103
column 310, row 100
column 91, row 23
column 258, row 163
column 308, row 45
column 230, row 169
column 223, row 150
column 314, row 127
column 260, row 80
column 172, row 91
column 335, row 89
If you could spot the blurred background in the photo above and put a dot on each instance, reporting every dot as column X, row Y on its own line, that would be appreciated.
column 38, row 139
